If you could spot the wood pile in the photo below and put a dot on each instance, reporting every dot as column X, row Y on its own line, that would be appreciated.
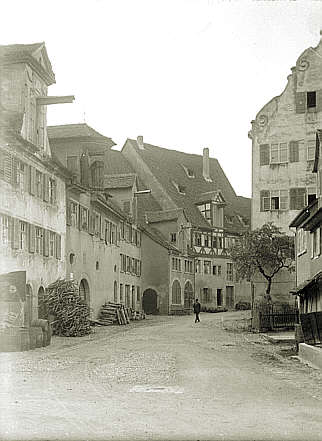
column 71, row 313
column 116, row 313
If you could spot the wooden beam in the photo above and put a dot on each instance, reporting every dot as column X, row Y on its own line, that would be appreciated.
column 46, row 100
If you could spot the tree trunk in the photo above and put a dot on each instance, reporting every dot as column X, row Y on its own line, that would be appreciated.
column 268, row 289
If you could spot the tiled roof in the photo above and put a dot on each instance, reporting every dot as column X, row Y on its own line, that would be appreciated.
column 75, row 131
column 167, row 166
column 160, row 216
column 158, row 237
column 117, row 163
column 13, row 49
column 119, row 181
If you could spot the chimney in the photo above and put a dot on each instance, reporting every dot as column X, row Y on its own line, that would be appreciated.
column 205, row 164
column 140, row 142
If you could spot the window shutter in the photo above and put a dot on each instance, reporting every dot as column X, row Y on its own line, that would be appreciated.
column 32, row 238
column 58, row 246
column 7, row 167
column 91, row 222
column 264, row 199
column 101, row 227
column 14, row 175
column 15, row 234
column 32, row 180
column 300, row 200
column 319, row 100
column 294, row 151
column 46, row 188
column 46, row 243
column 264, row 154
column 300, row 102
column 292, row 198
column 68, row 213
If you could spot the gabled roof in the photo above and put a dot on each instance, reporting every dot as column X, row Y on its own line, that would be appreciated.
column 117, row 163
column 34, row 54
column 73, row 131
column 162, row 216
column 119, row 181
column 168, row 166
column 157, row 236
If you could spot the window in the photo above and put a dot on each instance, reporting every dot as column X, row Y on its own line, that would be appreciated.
column 205, row 210
column 316, row 243
column 197, row 241
column 230, row 272
column 219, row 270
column 206, row 240
column 301, row 241
column 128, row 264
column 297, row 198
column 189, row 172
column 97, row 172
column 188, row 266
column 206, row 295
column 180, row 188
column 39, row 184
column 279, row 153
column 214, row 270
column 294, row 151
column 21, row 172
column 274, row 200
column 127, row 295
column 51, row 244
column 121, row 293
column 97, row 224
column 219, row 297
column 176, row 293
column 52, row 190
column 5, row 235
column 23, row 236
column 173, row 237
column 74, row 214
column 310, row 152
column 176, row 264
column 138, row 294
column 311, row 195
column 39, row 240
column 83, row 213
column 123, row 262
column 264, row 154
column 206, row 266
column 198, row 266
column 310, row 99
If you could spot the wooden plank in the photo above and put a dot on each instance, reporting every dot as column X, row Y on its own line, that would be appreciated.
column 46, row 100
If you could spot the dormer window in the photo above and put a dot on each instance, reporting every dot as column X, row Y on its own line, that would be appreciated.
column 189, row 172
column 205, row 210
column 180, row 188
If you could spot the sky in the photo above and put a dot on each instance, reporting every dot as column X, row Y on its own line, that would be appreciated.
column 184, row 74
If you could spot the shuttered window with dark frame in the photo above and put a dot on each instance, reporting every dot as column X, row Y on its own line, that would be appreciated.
column 265, row 204
column 297, row 198
column 264, row 154
column 294, row 151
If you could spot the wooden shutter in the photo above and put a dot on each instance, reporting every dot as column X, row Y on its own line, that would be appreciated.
column 319, row 100
column 297, row 198
column 15, row 233
column 46, row 243
column 7, row 167
column 264, row 196
column 58, row 246
column 300, row 102
column 32, row 238
column 264, row 154
column 46, row 188
column 32, row 180
column 68, row 213
column 14, row 172
column 294, row 151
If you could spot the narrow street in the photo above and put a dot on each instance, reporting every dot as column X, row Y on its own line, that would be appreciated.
column 161, row 378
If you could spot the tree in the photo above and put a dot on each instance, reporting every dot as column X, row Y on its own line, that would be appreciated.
column 266, row 250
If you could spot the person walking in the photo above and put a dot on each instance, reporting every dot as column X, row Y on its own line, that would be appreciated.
column 196, row 310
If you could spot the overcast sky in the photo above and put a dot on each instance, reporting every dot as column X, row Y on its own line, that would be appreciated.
column 185, row 74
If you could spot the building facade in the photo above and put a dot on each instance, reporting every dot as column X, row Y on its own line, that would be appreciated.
column 283, row 151
column 32, row 183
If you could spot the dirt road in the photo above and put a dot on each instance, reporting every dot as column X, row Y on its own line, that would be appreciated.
column 160, row 379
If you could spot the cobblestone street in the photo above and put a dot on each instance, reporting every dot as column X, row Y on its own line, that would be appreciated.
column 161, row 378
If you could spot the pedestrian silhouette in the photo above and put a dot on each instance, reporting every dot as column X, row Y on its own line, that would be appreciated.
column 196, row 310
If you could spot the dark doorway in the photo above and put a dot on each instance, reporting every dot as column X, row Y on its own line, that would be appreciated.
column 42, row 309
column 188, row 296
column 84, row 291
column 230, row 297
column 149, row 301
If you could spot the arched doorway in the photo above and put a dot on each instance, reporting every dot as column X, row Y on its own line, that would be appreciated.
column 149, row 301
column 84, row 291
column 188, row 295
column 42, row 309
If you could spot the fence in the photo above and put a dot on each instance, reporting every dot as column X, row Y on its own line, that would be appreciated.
column 312, row 327
column 271, row 317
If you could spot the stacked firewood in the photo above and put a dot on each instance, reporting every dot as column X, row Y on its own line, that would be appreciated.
column 116, row 313
column 71, row 313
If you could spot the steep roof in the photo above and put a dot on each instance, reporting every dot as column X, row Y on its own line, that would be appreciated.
column 70, row 131
column 170, row 169
column 119, row 181
column 162, row 215
column 117, row 163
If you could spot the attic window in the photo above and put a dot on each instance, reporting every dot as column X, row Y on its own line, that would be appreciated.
column 180, row 188
column 229, row 219
column 189, row 172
